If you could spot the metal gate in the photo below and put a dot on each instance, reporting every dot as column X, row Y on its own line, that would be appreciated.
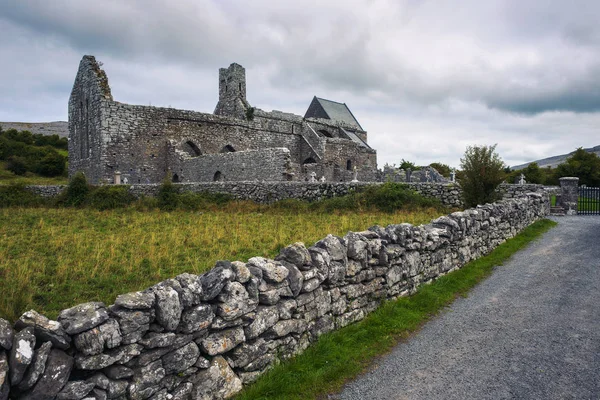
column 589, row 201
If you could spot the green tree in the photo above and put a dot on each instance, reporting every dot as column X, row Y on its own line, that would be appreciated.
column 584, row 165
column 51, row 164
column 482, row 172
column 533, row 173
column 17, row 165
column 408, row 165
column 443, row 169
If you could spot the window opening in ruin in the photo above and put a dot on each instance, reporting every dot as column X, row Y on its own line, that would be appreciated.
column 240, row 84
column 228, row 149
column 218, row 177
column 349, row 165
column 175, row 178
column 192, row 149
column 309, row 160
column 87, row 128
column 325, row 133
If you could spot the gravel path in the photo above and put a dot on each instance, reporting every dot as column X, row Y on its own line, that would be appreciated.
column 530, row 331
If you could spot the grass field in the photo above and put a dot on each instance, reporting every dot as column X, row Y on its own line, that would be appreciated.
column 51, row 259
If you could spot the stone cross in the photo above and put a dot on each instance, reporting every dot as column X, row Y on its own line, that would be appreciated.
column 322, row 178
column 452, row 176
column 522, row 179
column 313, row 176
column 125, row 181
column 355, row 178
column 427, row 176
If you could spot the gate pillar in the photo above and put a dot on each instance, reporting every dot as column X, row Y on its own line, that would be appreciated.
column 569, row 194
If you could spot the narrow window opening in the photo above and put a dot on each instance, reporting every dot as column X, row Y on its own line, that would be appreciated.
column 228, row 149
column 175, row 178
column 349, row 165
column 218, row 177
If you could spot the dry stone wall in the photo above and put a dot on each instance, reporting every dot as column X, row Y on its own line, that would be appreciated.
column 449, row 194
column 204, row 337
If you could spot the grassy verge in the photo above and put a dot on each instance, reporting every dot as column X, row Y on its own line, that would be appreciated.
column 54, row 258
column 338, row 356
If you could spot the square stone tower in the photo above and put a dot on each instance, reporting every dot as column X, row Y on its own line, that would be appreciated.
column 232, row 92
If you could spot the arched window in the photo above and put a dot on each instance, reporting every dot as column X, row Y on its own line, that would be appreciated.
column 175, row 178
column 325, row 133
column 218, row 177
column 192, row 149
column 349, row 165
column 309, row 160
column 228, row 149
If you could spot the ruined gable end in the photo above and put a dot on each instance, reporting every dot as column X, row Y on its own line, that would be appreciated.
column 90, row 89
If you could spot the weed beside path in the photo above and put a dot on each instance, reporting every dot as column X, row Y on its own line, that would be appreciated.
column 341, row 355
column 52, row 259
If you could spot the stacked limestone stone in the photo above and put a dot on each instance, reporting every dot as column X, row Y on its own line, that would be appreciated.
column 449, row 194
column 203, row 337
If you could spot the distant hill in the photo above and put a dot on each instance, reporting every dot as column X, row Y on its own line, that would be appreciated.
column 555, row 160
column 60, row 128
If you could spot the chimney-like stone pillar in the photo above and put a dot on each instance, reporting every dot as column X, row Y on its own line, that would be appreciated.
column 569, row 194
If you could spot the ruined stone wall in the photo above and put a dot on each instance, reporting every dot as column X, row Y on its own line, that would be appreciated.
column 142, row 142
column 260, row 165
column 203, row 337
column 89, row 95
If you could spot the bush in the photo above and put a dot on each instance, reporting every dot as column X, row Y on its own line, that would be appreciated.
column 201, row 201
column 17, row 165
column 168, row 196
column 52, row 164
column 16, row 196
column 443, row 169
column 482, row 172
column 76, row 193
column 110, row 197
column 390, row 197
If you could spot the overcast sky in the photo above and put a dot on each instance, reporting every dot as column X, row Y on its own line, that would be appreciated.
column 424, row 78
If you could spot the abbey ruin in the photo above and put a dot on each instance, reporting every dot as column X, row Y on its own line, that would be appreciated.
column 145, row 144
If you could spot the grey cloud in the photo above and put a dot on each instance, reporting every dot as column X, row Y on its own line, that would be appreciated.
column 455, row 72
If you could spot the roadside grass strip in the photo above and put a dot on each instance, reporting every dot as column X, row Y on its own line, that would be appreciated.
column 343, row 354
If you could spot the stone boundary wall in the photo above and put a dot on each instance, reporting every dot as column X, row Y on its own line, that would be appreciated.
column 510, row 191
column 267, row 192
column 450, row 194
column 203, row 337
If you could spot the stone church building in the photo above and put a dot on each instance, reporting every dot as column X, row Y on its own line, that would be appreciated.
column 238, row 142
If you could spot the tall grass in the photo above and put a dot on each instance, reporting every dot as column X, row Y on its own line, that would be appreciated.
column 54, row 258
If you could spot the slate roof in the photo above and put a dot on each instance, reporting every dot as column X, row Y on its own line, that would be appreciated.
column 322, row 108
